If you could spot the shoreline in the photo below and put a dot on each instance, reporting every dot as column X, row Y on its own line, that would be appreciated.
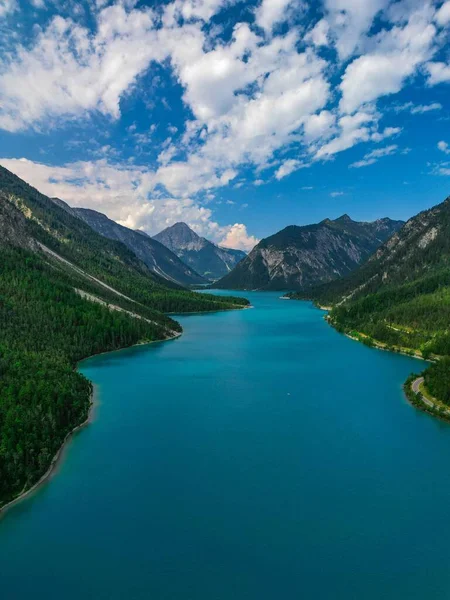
column 379, row 346
column 416, row 399
column 58, row 457
column 55, row 462
column 209, row 312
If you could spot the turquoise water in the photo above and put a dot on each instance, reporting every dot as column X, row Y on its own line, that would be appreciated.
column 259, row 456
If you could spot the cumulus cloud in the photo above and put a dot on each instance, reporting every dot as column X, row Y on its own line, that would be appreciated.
column 318, row 35
column 439, row 72
column 69, row 72
column 271, row 12
column 237, row 237
column 349, row 20
column 443, row 14
column 397, row 54
column 191, row 10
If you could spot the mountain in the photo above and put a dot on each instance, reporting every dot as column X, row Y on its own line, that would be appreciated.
column 299, row 257
column 158, row 258
column 211, row 261
column 401, row 295
column 400, row 298
column 66, row 293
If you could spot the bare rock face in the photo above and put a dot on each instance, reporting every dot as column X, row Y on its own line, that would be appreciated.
column 300, row 257
column 13, row 223
column 206, row 258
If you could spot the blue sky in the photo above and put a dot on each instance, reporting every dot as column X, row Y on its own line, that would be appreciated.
column 237, row 117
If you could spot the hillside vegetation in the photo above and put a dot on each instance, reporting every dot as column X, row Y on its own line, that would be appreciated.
column 401, row 296
column 66, row 293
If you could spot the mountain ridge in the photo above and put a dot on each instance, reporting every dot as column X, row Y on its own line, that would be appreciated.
column 158, row 258
column 206, row 258
column 298, row 257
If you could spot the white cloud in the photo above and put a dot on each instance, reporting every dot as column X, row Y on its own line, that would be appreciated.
column 321, row 125
column 443, row 14
column 318, row 35
column 444, row 147
column 237, row 237
column 352, row 129
column 388, row 132
column 372, row 157
column 289, row 88
column 69, row 72
column 271, row 12
column 349, row 20
column 397, row 54
column 442, row 168
column 424, row 108
column 192, row 9
column 439, row 72
column 336, row 194
column 288, row 167
column 7, row 7
column 418, row 109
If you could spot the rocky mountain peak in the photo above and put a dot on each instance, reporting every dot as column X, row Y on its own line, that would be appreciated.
column 206, row 258
column 345, row 218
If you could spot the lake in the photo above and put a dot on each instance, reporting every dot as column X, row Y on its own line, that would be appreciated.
column 262, row 455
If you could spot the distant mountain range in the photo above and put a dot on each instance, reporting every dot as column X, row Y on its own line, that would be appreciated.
column 300, row 257
column 158, row 258
column 206, row 258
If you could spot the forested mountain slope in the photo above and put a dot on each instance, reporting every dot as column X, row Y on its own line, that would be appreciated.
column 299, row 257
column 159, row 259
column 206, row 258
column 66, row 292
column 401, row 295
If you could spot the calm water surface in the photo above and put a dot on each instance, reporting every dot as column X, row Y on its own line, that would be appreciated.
column 260, row 456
